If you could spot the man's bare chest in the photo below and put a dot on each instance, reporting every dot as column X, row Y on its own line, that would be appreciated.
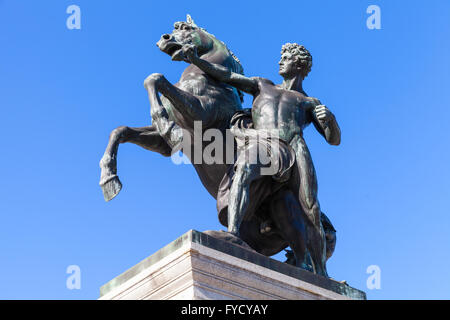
column 278, row 105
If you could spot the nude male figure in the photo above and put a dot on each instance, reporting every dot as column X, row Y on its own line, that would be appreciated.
column 287, row 109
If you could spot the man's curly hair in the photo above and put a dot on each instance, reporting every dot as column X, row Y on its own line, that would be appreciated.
column 303, row 56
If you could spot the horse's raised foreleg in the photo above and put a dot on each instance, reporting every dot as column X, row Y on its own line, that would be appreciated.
column 172, row 133
column 184, row 102
column 146, row 137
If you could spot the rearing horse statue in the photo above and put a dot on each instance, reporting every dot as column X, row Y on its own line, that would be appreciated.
column 195, row 97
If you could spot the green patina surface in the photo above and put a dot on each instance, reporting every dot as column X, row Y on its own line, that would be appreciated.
column 238, row 252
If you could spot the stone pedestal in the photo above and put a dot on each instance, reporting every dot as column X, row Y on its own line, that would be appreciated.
column 199, row 266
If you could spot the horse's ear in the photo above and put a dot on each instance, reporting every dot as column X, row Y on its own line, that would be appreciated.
column 190, row 21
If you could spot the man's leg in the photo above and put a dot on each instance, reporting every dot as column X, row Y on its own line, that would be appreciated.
column 239, row 199
column 248, row 181
column 306, row 183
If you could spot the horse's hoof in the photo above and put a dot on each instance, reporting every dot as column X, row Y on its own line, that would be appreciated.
column 111, row 187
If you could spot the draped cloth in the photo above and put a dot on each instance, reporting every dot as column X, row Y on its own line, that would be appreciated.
column 275, row 172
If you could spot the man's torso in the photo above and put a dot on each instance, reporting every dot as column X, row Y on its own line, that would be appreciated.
column 286, row 111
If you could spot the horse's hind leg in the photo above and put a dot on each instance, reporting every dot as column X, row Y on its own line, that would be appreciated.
column 146, row 137
column 287, row 216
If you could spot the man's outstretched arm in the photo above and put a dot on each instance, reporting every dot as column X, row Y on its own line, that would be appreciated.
column 325, row 122
column 220, row 72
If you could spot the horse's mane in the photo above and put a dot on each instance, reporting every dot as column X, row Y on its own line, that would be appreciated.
column 236, row 65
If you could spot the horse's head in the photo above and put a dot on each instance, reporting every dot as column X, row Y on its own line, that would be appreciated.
column 185, row 33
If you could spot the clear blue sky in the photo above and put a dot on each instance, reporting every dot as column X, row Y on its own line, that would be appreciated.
column 386, row 187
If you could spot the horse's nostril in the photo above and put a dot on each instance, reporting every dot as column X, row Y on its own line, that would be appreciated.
column 166, row 36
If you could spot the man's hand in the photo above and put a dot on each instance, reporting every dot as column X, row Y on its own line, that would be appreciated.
column 322, row 114
column 190, row 52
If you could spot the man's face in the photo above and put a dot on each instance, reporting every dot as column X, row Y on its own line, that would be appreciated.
column 288, row 65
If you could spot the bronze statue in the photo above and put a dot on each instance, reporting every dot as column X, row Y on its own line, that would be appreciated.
column 288, row 109
column 285, row 211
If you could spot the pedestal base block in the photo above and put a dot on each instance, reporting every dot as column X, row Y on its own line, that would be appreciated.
column 199, row 266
